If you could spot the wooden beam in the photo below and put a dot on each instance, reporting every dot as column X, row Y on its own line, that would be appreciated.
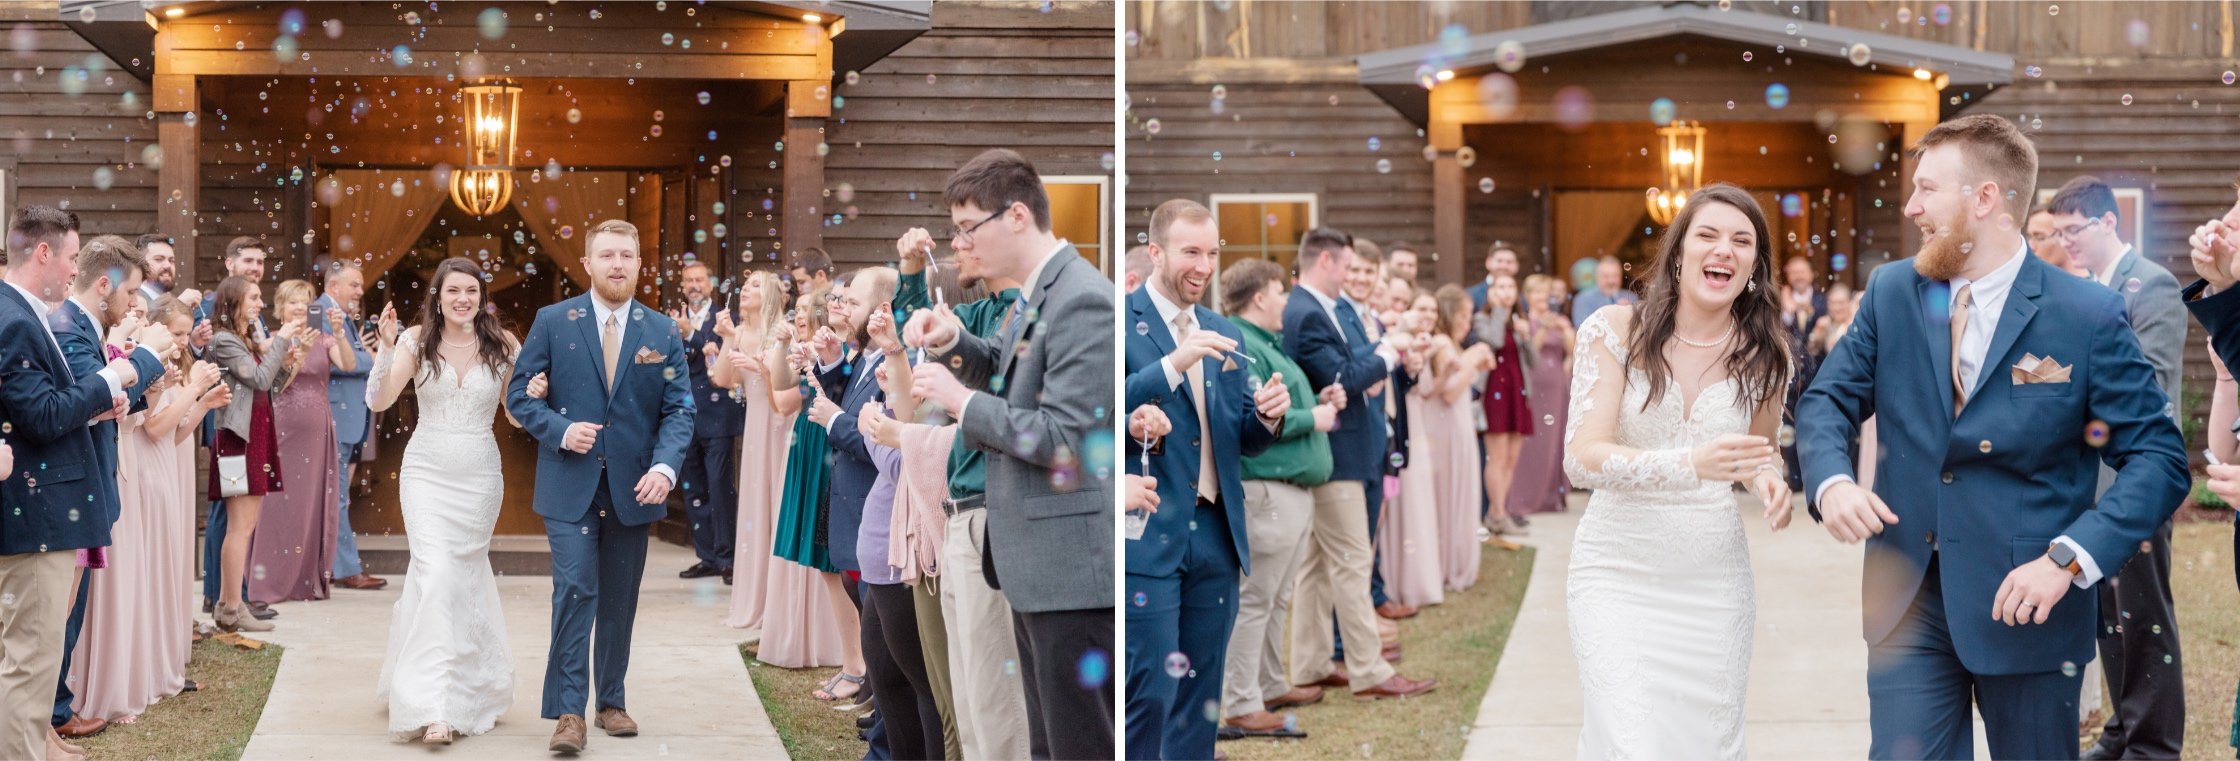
column 179, row 181
column 802, row 224
column 808, row 99
column 1448, row 225
column 260, row 63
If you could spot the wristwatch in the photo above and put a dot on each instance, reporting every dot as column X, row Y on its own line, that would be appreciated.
column 2062, row 556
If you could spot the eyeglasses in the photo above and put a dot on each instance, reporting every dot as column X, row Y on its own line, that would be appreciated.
column 965, row 234
column 2071, row 232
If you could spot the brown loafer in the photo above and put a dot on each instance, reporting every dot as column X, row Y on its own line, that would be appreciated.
column 1396, row 611
column 616, row 723
column 363, row 581
column 567, row 736
column 1336, row 679
column 1397, row 687
column 1298, row 696
column 81, row 727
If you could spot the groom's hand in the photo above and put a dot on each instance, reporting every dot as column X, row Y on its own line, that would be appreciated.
column 2030, row 592
column 1852, row 513
column 580, row 437
column 653, row 488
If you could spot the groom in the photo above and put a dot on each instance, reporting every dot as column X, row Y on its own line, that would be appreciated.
column 2009, row 383
column 611, row 432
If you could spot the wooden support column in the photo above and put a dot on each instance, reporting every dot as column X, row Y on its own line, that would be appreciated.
column 1909, row 236
column 808, row 103
column 1447, row 200
column 179, row 182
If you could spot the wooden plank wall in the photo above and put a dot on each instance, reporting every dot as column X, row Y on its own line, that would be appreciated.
column 60, row 137
column 1279, row 138
column 988, row 75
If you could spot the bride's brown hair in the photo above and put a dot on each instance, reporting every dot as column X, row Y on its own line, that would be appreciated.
column 496, row 343
column 1760, row 362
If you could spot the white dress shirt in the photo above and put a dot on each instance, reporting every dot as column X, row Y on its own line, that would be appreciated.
column 622, row 316
column 2107, row 275
column 1988, row 299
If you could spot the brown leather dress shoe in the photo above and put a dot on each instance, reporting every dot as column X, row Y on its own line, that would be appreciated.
column 363, row 581
column 1336, row 679
column 81, row 727
column 567, row 736
column 1396, row 611
column 616, row 723
column 1397, row 687
column 1298, row 696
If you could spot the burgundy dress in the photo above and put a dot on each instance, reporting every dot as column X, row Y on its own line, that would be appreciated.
column 262, row 448
column 1507, row 411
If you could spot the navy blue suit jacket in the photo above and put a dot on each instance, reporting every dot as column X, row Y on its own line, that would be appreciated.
column 718, row 415
column 850, row 384
column 1989, row 490
column 43, row 412
column 647, row 419
column 82, row 349
column 1311, row 338
column 346, row 389
column 1236, row 432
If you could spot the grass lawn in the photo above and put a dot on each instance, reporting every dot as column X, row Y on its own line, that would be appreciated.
column 212, row 723
column 812, row 731
column 2209, row 633
column 1457, row 643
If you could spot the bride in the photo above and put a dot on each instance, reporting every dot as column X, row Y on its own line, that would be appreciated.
column 448, row 671
column 1673, row 402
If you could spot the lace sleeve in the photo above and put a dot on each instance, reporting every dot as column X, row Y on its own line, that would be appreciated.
column 1592, row 456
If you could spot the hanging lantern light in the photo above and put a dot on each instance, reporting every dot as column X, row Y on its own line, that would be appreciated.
column 485, row 183
column 1683, row 170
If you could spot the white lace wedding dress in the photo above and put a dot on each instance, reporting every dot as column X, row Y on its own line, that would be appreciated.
column 1661, row 595
column 448, row 661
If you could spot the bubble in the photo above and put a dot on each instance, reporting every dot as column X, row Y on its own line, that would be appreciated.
column 1548, row 420
column 575, row 115
column 852, row 77
column 1151, row 125
column 1662, row 110
column 1860, row 54
column 668, row 39
column 1485, row 184
column 2133, row 285
column 1384, row 166
column 1177, row 664
column 1220, row 92
column 2228, row 77
column 492, row 23
column 2126, row 99
column 1399, row 460
column 1143, row 328
column 2032, row 71
column 2157, row 628
column 2053, row 10
column 1095, row 669
column 2166, row 658
column 1375, row 144
column 2068, row 668
column 1777, row 96
column 103, row 178
column 1509, row 55
column 2096, row 434
column 1746, row 56
column 1787, row 436
column 1466, row 156
column 401, row 55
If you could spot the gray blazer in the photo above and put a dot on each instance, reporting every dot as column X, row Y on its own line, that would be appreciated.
column 240, row 371
column 1050, row 513
column 2158, row 316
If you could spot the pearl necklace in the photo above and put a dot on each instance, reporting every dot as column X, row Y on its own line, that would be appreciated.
column 1713, row 344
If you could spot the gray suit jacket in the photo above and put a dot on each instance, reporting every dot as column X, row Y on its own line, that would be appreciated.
column 241, row 371
column 1050, row 511
column 2158, row 314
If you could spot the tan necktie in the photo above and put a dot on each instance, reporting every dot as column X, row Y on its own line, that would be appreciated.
column 610, row 341
column 1208, row 486
column 1961, row 300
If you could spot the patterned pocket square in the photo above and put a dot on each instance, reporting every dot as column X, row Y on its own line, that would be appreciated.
column 650, row 357
column 2035, row 369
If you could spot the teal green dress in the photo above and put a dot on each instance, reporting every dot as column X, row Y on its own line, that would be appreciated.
column 802, row 523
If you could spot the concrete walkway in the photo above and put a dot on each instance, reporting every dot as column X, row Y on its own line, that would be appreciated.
column 1808, row 668
column 688, row 687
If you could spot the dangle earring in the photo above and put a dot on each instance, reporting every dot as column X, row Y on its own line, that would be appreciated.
column 1753, row 286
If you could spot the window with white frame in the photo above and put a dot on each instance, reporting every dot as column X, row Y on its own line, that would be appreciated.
column 1081, row 212
column 1263, row 225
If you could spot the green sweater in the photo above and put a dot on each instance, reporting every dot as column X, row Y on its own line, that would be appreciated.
column 968, row 475
column 1301, row 454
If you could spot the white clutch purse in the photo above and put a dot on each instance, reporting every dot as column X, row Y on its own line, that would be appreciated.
column 233, row 475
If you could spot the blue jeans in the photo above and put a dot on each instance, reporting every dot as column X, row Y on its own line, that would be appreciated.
column 346, row 562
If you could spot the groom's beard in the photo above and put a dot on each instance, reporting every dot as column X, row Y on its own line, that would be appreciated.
column 1942, row 258
column 613, row 292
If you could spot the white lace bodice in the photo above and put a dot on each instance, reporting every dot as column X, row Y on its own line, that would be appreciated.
column 452, row 402
column 1654, row 447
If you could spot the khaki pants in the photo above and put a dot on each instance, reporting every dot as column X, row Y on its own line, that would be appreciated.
column 1334, row 578
column 34, row 603
column 933, row 644
column 1277, row 518
column 984, row 678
